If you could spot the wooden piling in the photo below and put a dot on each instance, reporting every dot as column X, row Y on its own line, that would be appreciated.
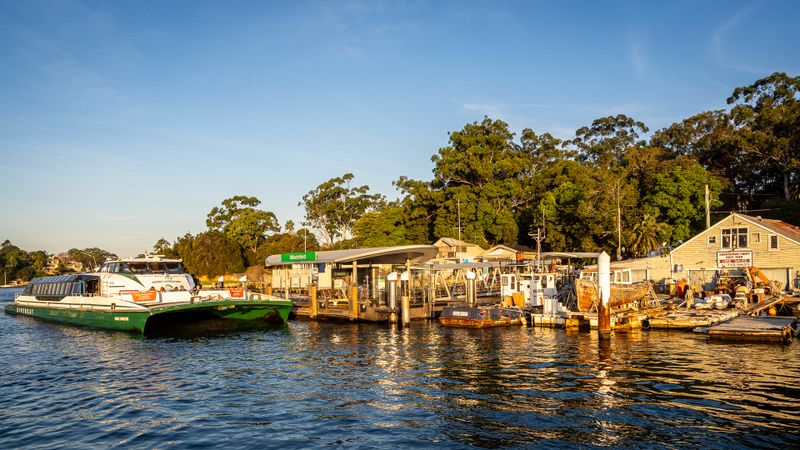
column 354, row 303
column 604, row 306
column 406, row 310
column 312, row 301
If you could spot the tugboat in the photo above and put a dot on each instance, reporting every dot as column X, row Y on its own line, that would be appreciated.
column 133, row 294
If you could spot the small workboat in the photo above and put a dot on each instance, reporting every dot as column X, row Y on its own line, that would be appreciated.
column 481, row 317
column 139, row 294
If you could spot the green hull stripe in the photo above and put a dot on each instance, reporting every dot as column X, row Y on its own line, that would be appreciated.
column 136, row 321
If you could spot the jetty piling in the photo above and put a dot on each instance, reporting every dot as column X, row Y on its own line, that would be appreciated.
column 604, row 307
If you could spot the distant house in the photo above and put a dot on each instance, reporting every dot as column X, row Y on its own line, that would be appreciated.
column 502, row 252
column 740, row 240
column 454, row 250
column 61, row 259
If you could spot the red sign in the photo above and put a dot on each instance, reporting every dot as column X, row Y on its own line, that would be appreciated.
column 736, row 258
column 236, row 292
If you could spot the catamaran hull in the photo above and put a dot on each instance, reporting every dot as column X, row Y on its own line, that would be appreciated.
column 137, row 321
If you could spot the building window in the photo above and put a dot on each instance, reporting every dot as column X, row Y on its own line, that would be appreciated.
column 756, row 238
column 712, row 240
column 773, row 241
column 734, row 238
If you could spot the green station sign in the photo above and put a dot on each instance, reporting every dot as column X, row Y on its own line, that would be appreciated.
column 299, row 257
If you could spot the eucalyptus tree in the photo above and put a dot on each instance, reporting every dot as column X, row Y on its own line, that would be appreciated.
column 333, row 207
column 242, row 223
column 606, row 141
column 767, row 116
column 480, row 176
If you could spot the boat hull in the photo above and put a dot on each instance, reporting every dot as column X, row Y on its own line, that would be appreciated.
column 465, row 317
column 137, row 321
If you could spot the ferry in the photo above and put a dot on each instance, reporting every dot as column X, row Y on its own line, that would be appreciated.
column 138, row 295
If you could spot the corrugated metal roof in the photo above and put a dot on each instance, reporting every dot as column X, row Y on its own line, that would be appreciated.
column 786, row 230
column 374, row 255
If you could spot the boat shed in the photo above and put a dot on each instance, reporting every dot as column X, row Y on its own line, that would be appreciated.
column 740, row 241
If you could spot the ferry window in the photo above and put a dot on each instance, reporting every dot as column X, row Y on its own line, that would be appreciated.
column 173, row 267
column 773, row 242
column 712, row 240
column 137, row 267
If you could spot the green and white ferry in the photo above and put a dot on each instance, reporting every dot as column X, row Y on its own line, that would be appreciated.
column 139, row 295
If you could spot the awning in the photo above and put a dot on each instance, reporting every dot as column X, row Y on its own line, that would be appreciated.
column 374, row 255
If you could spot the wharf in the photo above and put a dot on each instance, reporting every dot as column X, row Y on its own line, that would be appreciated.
column 760, row 329
column 689, row 319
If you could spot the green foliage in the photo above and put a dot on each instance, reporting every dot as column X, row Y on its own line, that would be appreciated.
column 89, row 258
column 481, row 177
column 382, row 228
column 17, row 264
column 767, row 114
column 333, row 207
column 677, row 198
column 210, row 254
column 243, row 224
column 289, row 242
column 607, row 140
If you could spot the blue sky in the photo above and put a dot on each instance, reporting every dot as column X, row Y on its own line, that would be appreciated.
column 123, row 122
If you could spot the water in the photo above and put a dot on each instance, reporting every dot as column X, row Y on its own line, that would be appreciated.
column 370, row 386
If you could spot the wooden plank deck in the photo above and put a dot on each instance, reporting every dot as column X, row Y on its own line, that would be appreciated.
column 762, row 329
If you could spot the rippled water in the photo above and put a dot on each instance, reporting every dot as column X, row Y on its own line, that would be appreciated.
column 315, row 384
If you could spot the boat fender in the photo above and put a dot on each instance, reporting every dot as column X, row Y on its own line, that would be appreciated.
column 113, row 306
column 646, row 324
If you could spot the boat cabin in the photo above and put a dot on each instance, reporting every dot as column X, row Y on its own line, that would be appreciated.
column 53, row 289
column 533, row 286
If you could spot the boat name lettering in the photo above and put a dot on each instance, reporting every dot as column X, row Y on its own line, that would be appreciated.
column 460, row 313
column 28, row 311
column 121, row 318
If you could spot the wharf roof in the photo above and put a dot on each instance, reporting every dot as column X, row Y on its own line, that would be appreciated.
column 373, row 255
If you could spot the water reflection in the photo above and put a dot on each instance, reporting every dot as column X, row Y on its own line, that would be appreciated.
column 318, row 384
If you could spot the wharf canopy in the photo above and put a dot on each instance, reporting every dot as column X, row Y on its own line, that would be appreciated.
column 336, row 269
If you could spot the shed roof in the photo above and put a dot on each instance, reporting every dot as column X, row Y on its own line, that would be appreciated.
column 374, row 255
column 786, row 230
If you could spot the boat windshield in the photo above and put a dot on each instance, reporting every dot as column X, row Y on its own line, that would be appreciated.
column 143, row 267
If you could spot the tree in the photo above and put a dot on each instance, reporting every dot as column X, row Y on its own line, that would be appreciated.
column 481, row 178
column 768, row 116
column 647, row 234
column 381, row 228
column 333, row 206
column 89, row 258
column 678, row 197
column 242, row 223
column 211, row 254
column 606, row 141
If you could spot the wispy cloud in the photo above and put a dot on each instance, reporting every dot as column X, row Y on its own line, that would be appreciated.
column 637, row 54
column 718, row 43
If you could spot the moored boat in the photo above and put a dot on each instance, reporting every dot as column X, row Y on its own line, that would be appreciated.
column 138, row 294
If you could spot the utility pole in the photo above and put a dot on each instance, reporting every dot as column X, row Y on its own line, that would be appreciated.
column 539, row 237
column 458, row 203
column 708, row 209
column 619, row 226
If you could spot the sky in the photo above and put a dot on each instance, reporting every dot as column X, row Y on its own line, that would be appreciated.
column 124, row 122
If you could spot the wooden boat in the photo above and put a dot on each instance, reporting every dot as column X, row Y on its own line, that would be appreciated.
column 133, row 294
